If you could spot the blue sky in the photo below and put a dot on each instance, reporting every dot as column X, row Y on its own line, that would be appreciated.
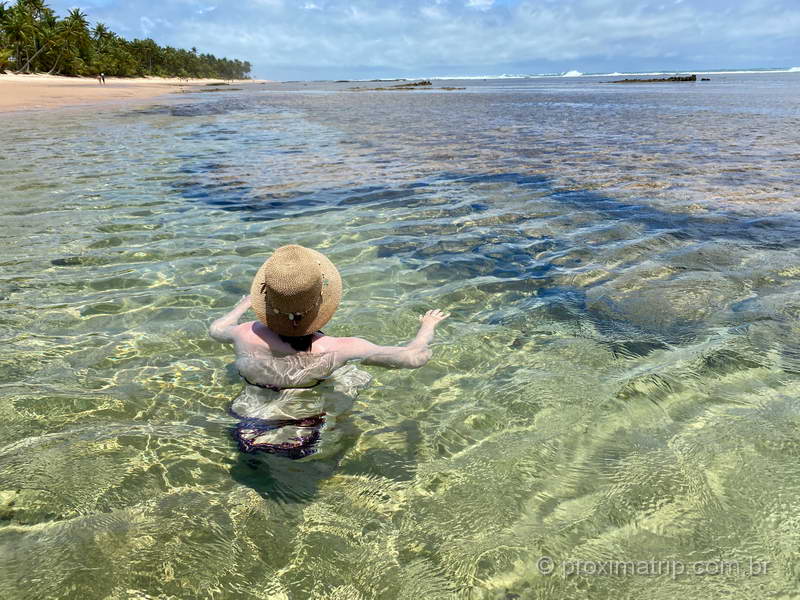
column 338, row 39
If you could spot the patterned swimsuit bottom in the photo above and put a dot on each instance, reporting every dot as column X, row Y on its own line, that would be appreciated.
column 290, row 438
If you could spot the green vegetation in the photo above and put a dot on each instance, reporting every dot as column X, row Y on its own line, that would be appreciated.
column 33, row 39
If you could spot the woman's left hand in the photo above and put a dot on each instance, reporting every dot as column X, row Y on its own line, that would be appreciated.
column 244, row 302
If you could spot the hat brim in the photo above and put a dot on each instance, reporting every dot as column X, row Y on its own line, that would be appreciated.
column 280, row 323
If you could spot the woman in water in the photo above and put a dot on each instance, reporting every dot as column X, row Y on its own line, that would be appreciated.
column 284, row 354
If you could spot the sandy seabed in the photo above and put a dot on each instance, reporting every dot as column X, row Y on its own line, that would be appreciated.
column 37, row 91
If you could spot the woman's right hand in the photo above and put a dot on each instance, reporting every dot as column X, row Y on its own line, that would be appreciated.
column 433, row 317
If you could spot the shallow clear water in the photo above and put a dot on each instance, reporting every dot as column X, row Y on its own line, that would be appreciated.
column 618, row 382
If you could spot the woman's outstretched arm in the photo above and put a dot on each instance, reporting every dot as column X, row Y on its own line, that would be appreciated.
column 411, row 356
column 222, row 329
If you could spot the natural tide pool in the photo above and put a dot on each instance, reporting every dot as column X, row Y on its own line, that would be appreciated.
column 618, row 382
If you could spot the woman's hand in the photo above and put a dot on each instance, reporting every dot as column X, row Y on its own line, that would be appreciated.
column 245, row 302
column 433, row 317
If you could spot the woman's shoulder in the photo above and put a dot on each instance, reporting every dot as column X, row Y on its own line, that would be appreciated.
column 345, row 348
column 253, row 332
column 244, row 330
column 330, row 343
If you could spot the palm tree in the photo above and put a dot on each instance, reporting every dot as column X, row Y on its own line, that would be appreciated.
column 5, row 55
column 45, row 34
column 2, row 31
column 33, row 10
column 100, row 32
column 32, row 38
column 18, row 29
column 24, row 23
column 73, row 34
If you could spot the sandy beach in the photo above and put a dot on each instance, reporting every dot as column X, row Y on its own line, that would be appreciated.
column 26, row 92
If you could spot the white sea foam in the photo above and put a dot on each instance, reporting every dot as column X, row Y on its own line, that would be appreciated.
column 503, row 76
column 576, row 73
column 689, row 72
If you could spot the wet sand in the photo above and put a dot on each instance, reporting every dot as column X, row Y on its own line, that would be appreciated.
column 26, row 92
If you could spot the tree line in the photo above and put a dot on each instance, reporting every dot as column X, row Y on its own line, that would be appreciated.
column 33, row 39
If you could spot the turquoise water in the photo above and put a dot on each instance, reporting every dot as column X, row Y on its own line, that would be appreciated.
column 618, row 381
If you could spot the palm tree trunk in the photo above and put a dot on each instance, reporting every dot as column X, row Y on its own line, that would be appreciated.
column 32, row 58
column 58, row 60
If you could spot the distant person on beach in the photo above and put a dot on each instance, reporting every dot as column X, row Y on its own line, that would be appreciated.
column 284, row 354
column 101, row 79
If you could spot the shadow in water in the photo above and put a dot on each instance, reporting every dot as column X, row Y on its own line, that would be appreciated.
column 282, row 479
column 777, row 232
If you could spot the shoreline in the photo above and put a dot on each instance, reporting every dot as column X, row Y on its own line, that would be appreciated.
column 40, row 91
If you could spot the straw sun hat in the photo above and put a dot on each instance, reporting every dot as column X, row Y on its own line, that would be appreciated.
column 296, row 291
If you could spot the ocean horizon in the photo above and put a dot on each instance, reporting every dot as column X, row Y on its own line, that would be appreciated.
column 577, row 73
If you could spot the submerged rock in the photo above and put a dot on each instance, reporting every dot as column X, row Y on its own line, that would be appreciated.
column 401, row 86
column 413, row 84
column 663, row 302
column 675, row 79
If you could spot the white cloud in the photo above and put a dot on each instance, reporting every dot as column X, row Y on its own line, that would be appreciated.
column 146, row 25
column 480, row 4
column 341, row 38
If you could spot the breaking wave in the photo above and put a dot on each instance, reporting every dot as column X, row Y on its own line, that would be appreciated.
column 576, row 73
